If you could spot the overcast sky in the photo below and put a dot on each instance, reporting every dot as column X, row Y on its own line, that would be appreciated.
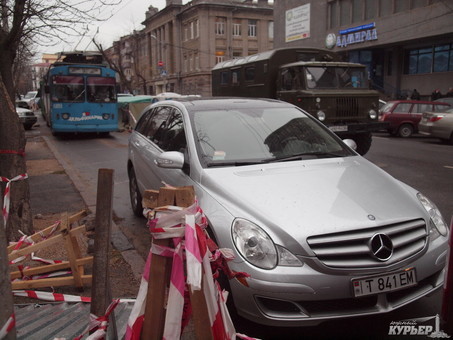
column 126, row 17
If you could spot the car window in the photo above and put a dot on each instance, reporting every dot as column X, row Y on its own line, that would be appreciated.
column 420, row 108
column 156, row 126
column 387, row 107
column 143, row 121
column 174, row 138
column 403, row 107
column 440, row 108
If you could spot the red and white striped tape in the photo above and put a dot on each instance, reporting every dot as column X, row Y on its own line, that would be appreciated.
column 48, row 296
column 8, row 326
column 7, row 194
column 185, row 227
column 99, row 324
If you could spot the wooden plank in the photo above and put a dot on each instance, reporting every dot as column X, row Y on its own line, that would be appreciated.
column 185, row 196
column 156, row 298
column 150, row 199
column 101, row 293
column 49, row 268
column 200, row 316
column 43, row 234
column 166, row 196
column 50, row 282
column 43, row 244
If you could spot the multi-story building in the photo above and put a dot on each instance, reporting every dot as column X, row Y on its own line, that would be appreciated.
column 181, row 43
column 405, row 44
column 40, row 69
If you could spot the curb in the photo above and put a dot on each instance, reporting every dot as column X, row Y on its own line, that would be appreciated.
column 119, row 241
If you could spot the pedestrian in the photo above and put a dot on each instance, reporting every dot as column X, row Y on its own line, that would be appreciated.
column 450, row 92
column 415, row 95
column 436, row 94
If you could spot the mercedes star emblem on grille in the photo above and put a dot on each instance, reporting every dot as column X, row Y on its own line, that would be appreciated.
column 381, row 247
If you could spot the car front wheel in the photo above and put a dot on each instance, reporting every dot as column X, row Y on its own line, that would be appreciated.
column 405, row 130
column 135, row 195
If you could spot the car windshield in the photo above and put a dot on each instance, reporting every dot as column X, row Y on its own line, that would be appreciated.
column 330, row 77
column 30, row 95
column 258, row 135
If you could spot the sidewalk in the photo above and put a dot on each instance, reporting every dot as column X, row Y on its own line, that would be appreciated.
column 53, row 191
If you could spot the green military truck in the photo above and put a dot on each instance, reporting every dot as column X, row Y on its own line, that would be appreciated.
column 337, row 93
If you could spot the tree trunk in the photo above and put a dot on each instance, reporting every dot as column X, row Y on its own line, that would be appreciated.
column 12, row 164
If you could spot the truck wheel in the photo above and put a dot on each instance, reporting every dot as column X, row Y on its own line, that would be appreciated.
column 363, row 141
column 405, row 130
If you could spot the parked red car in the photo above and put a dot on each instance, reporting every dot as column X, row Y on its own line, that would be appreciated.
column 403, row 116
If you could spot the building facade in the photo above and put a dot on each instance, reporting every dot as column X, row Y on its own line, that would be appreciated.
column 180, row 44
column 405, row 44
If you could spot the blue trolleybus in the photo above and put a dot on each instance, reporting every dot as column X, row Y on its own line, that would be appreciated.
column 79, row 94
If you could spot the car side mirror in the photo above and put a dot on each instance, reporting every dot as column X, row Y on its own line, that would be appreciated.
column 351, row 143
column 170, row 160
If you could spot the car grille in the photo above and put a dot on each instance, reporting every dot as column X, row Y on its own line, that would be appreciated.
column 352, row 249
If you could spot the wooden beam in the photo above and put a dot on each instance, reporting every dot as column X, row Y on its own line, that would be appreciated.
column 51, row 268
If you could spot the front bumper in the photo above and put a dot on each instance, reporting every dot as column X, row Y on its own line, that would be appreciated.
column 304, row 296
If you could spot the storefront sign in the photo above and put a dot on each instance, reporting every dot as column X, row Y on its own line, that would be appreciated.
column 355, row 35
column 298, row 23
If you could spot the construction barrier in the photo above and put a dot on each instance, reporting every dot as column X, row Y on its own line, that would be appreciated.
column 192, row 290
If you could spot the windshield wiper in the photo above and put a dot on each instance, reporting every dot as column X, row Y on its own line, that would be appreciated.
column 307, row 155
column 236, row 163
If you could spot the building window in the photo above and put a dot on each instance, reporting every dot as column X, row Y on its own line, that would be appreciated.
column 252, row 28
column 333, row 14
column 237, row 54
column 385, row 7
column 357, row 10
column 271, row 30
column 402, row 5
column 345, row 13
column 219, row 58
column 431, row 59
column 443, row 58
column 236, row 28
column 220, row 26
column 197, row 28
column 370, row 9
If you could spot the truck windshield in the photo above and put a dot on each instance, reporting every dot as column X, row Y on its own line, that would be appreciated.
column 334, row 77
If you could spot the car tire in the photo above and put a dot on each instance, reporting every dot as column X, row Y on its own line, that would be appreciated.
column 134, row 194
column 363, row 141
column 405, row 130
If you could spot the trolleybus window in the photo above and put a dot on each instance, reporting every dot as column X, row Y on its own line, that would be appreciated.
column 67, row 89
column 101, row 89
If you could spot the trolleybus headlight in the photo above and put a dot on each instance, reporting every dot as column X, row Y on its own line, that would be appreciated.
column 65, row 116
column 105, row 116
column 372, row 113
column 321, row 115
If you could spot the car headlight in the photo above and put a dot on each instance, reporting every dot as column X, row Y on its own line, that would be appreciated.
column 436, row 219
column 254, row 244
column 373, row 114
column 257, row 247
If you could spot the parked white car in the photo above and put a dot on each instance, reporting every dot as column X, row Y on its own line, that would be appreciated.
column 323, row 233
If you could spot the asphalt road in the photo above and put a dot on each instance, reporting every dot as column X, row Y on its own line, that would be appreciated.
column 421, row 162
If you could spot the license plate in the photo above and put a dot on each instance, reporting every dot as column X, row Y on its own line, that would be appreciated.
column 338, row 128
column 384, row 283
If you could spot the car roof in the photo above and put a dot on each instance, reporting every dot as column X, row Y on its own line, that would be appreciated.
column 209, row 103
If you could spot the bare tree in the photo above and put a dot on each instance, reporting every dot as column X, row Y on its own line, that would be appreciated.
column 24, row 24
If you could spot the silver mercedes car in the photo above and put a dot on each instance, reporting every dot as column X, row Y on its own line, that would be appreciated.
column 322, row 232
